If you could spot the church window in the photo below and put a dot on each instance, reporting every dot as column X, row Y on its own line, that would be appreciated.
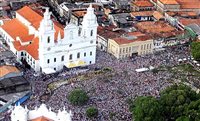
column 48, row 40
column 70, row 45
column 91, row 33
column 70, row 57
column 79, row 31
column 71, row 34
column 62, row 58
column 54, row 59
column 78, row 55
column 84, row 54
column 48, row 61
column 90, row 62
column 22, row 54
column 90, row 52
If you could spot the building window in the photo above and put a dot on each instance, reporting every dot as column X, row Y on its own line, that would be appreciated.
column 91, row 33
column 48, row 61
column 123, row 50
column 84, row 54
column 129, row 49
column 70, row 57
column 90, row 62
column 120, row 50
column 126, row 49
column 71, row 34
column 78, row 55
column 54, row 59
column 48, row 40
column 62, row 58
column 55, row 69
column 141, row 47
column 91, row 53
column 16, row 53
column 22, row 54
column 70, row 45
column 79, row 31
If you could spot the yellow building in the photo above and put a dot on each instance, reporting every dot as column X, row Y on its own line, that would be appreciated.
column 127, row 46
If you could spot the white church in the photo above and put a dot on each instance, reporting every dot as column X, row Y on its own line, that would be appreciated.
column 41, row 113
column 46, row 45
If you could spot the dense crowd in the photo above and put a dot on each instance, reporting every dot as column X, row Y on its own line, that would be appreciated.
column 109, row 94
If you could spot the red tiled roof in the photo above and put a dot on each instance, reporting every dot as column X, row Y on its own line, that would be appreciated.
column 6, row 69
column 186, row 21
column 15, row 28
column 169, row 2
column 34, row 18
column 189, row 4
column 32, row 48
column 142, row 13
column 30, row 15
column 122, row 40
column 143, row 3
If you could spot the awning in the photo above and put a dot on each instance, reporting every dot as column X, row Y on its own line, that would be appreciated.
column 80, row 63
column 48, row 70
column 70, row 65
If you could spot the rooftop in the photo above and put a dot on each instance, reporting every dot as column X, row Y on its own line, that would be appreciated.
column 142, row 13
column 6, row 69
column 189, row 4
column 130, row 39
column 169, row 2
column 187, row 21
column 143, row 3
column 157, row 29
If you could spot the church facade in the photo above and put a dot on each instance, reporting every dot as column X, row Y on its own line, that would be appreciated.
column 47, row 46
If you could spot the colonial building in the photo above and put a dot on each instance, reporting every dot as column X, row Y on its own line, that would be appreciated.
column 47, row 46
column 39, row 114
column 142, row 5
column 133, row 44
column 167, row 5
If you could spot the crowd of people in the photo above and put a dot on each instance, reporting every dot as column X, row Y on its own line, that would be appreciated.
column 110, row 94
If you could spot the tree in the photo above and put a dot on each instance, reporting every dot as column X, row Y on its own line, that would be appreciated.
column 146, row 109
column 183, row 118
column 92, row 112
column 176, row 103
column 78, row 97
column 195, row 50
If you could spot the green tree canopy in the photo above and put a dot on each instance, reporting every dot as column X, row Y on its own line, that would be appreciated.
column 78, row 97
column 176, row 103
column 146, row 109
column 92, row 112
column 195, row 50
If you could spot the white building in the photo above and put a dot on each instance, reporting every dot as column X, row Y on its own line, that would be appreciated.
column 46, row 45
column 39, row 114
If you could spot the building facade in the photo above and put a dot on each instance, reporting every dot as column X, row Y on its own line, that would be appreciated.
column 128, row 47
column 39, row 114
column 47, row 46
